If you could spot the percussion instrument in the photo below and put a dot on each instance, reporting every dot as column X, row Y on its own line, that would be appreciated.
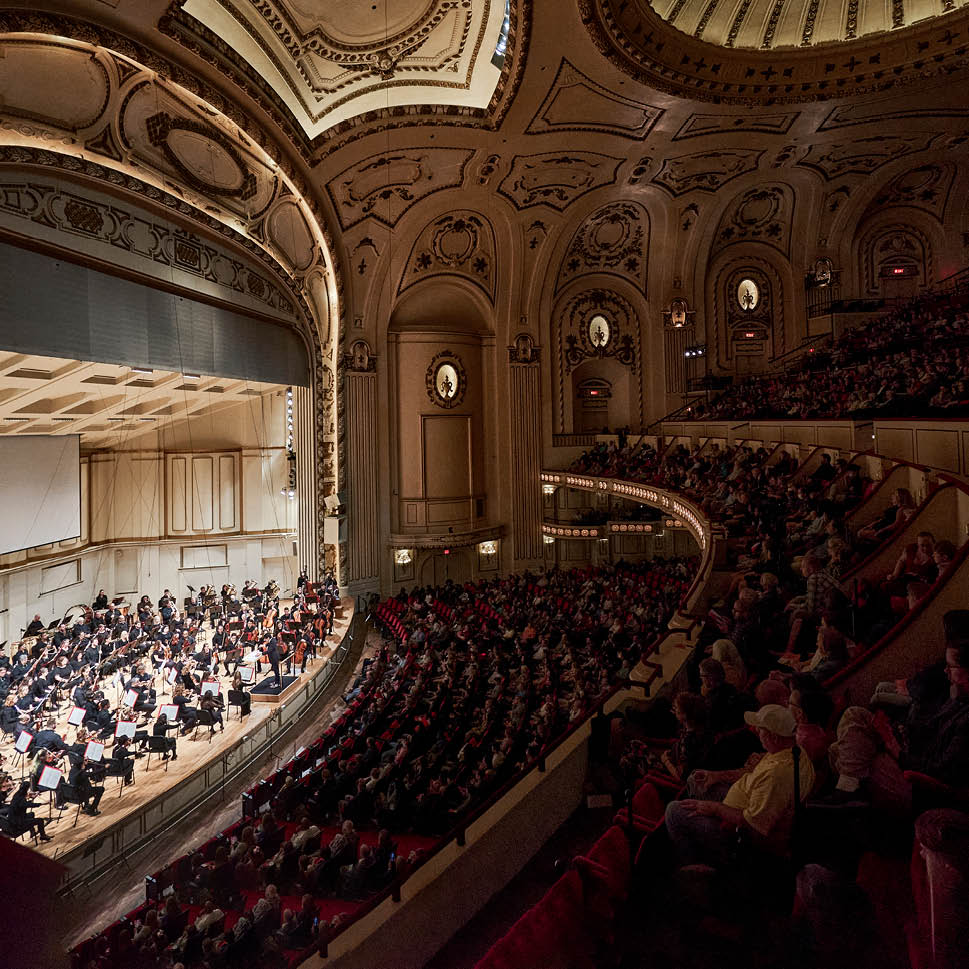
column 76, row 615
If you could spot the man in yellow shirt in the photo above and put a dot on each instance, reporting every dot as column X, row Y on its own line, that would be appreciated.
column 760, row 800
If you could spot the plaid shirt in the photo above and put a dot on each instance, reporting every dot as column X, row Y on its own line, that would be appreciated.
column 819, row 584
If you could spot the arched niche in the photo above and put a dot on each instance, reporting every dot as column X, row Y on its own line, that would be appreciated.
column 747, row 293
column 440, row 407
column 896, row 255
column 596, row 333
column 443, row 303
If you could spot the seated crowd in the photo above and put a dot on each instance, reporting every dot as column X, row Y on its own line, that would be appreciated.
column 471, row 686
column 908, row 364
column 756, row 778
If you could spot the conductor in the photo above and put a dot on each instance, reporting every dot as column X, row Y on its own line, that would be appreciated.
column 272, row 657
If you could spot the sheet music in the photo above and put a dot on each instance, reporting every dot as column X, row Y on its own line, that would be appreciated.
column 49, row 778
column 94, row 751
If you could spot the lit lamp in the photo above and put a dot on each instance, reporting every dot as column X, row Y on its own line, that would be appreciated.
column 403, row 556
column 548, row 539
column 488, row 548
column 678, row 309
column 823, row 269
column 548, row 490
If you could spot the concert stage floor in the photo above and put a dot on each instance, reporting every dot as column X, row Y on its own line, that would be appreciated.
column 154, row 777
column 266, row 691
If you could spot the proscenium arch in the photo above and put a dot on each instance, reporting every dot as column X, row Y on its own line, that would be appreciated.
column 94, row 147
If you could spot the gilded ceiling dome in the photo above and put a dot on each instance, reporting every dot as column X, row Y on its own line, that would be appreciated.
column 768, row 24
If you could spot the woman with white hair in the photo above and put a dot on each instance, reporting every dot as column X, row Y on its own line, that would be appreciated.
column 733, row 665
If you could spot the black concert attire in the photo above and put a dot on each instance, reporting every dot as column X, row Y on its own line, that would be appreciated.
column 20, row 818
column 272, row 657
column 161, row 729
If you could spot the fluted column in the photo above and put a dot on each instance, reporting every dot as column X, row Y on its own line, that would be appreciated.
column 307, row 533
column 360, row 398
column 526, row 449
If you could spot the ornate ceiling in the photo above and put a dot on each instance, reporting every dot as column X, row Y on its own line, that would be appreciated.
column 332, row 60
column 768, row 24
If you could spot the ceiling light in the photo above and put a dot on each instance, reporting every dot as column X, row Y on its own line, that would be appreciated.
column 141, row 370
column 190, row 376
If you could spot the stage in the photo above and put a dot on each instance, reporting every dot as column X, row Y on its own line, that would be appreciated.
column 163, row 790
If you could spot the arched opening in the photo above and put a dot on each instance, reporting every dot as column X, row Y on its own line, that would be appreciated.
column 591, row 405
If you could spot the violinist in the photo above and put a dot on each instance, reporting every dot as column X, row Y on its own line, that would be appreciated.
column 161, row 728
column 213, row 703
column 187, row 714
column 78, row 789
column 19, row 818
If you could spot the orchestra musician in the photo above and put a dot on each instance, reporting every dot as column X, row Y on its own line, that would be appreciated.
column 19, row 818
column 35, row 627
column 161, row 728
column 101, row 602
column 78, row 788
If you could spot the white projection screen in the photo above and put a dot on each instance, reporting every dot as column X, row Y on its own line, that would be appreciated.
column 40, row 490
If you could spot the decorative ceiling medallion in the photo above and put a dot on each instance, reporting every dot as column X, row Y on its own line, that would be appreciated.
column 763, row 214
column 926, row 187
column 557, row 179
column 577, row 103
column 384, row 186
column 705, row 171
column 446, row 380
column 459, row 243
column 615, row 240
column 203, row 156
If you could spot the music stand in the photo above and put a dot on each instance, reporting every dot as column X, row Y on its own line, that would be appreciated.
column 76, row 716
column 248, row 674
column 49, row 778
column 94, row 751
column 170, row 710
column 124, row 728
column 131, row 697
column 24, row 739
column 211, row 687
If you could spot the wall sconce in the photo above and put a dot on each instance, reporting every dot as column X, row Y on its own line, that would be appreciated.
column 548, row 539
column 679, row 314
column 548, row 490
column 403, row 556
column 488, row 548
column 823, row 269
